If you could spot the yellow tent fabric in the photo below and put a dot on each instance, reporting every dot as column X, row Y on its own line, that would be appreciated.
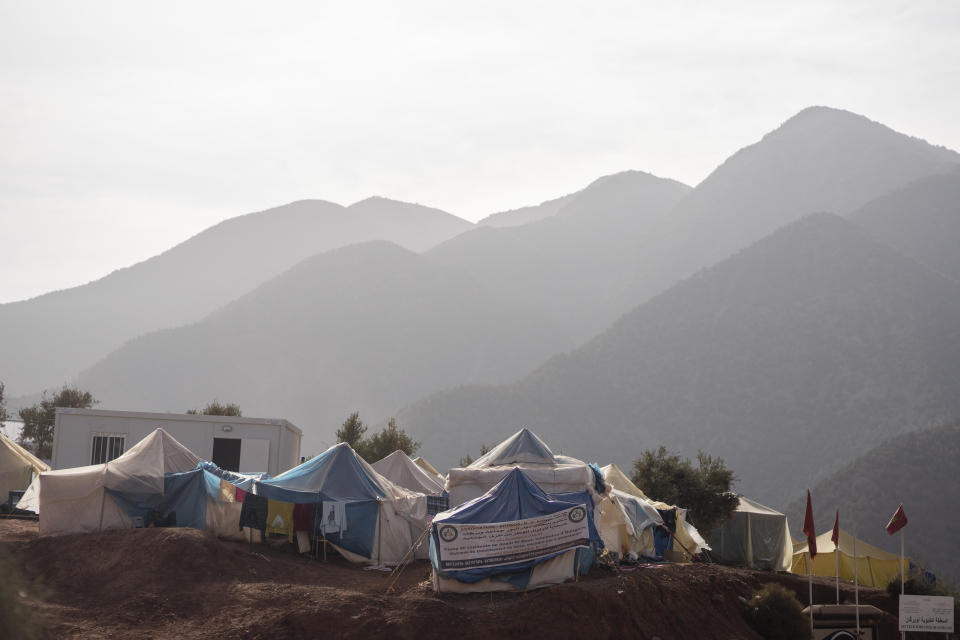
column 875, row 567
column 17, row 467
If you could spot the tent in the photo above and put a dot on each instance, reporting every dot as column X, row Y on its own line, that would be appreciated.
column 514, row 537
column 875, row 567
column 674, row 518
column 429, row 468
column 17, row 467
column 379, row 522
column 552, row 473
column 402, row 471
column 102, row 496
column 755, row 536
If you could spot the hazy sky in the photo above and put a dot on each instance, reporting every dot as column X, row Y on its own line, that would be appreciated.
column 128, row 127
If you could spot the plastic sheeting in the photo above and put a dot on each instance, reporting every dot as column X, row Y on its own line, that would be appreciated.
column 755, row 536
column 516, row 497
column 402, row 471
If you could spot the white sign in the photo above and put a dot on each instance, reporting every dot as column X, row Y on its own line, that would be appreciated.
column 926, row 613
column 467, row 546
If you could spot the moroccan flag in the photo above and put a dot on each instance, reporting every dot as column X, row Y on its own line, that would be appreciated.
column 809, row 529
column 898, row 521
column 836, row 531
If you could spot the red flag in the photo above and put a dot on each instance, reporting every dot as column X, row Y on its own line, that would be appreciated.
column 809, row 529
column 898, row 521
column 836, row 531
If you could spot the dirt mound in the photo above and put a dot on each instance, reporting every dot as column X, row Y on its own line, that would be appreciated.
column 183, row 583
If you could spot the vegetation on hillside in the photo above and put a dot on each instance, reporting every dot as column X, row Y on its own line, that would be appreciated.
column 379, row 445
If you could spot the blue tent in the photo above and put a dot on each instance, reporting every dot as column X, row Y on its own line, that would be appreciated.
column 515, row 498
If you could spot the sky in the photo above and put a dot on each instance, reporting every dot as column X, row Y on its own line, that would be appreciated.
column 126, row 128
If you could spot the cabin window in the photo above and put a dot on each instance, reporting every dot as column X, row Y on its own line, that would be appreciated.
column 105, row 447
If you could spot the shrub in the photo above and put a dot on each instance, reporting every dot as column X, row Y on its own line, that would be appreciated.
column 775, row 613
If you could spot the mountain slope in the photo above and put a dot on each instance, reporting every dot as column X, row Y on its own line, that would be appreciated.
column 361, row 328
column 524, row 215
column 48, row 339
column 921, row 220
column 918, row 469
column 821, row 159
column 812, row 341
column 578, row 267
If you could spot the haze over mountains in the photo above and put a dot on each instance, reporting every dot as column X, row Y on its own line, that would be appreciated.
column 47, row 340
column 735, row 317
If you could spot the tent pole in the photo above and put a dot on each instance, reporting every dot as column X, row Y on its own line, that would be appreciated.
column 103, row 501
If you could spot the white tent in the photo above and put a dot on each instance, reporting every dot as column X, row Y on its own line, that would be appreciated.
column 78, row 500
column 756, row 536
column 401, row 470
column 17, row 467
column 552, row 473
column 689, row 539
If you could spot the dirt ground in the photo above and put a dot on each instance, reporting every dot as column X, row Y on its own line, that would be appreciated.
column 185, row 584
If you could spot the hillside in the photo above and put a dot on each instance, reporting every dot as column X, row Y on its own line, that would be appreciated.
column 578, row 267
column 921, row 220
column 810, row 342
column 47, row 340
column 918, row 469
column 361, row 328
column 524, row 215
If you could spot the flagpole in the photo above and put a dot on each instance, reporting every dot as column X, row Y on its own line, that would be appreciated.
column 903, row 634
column 836, row 555
column 856, row 567
column 810, row 585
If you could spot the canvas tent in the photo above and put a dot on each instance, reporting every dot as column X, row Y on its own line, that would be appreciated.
column 17, row 467
column 514, row 537
column 875, row 567
column 552, row 473
column 673, row 517
column 99, row 496
column 401, row 470
column 381, row 521
column 755, row 536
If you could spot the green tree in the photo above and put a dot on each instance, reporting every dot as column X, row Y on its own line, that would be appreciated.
column 390, row 439
column 352, row 431
column 217, row 409
column 466, row 460
column 39, row 420
column 3, row 408
column 705, row 489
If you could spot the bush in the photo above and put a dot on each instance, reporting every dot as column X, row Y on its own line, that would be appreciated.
column 17, row 617
column 775, row 613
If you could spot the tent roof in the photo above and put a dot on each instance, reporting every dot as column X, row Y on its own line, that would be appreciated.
column 516, row 497
column 13, row 455
column 619, row 480
column 422, row 462
column 522, row 447
column 864, row 550
column 338, row 474
column 401, row 470
column 747, row 505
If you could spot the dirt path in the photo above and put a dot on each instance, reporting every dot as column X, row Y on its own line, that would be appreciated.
column 184, row 583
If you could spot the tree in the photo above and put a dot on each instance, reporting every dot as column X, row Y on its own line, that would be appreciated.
column 466, row 460
column 3, row 408
column 705, row 490
column 352, row 431
column 390, row 439
column 39, row 420
column 217, row 409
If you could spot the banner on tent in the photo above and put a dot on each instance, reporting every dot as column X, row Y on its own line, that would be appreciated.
column 466, row 546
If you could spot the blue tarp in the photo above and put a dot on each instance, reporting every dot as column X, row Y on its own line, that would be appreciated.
column 335, row 474
column 516, row 497
column 183, row 503
column 242, row 481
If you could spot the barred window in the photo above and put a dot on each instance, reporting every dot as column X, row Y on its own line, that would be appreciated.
column 106, row 447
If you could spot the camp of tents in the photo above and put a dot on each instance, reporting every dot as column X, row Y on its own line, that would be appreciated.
column 519, row 517
column 874, row 567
